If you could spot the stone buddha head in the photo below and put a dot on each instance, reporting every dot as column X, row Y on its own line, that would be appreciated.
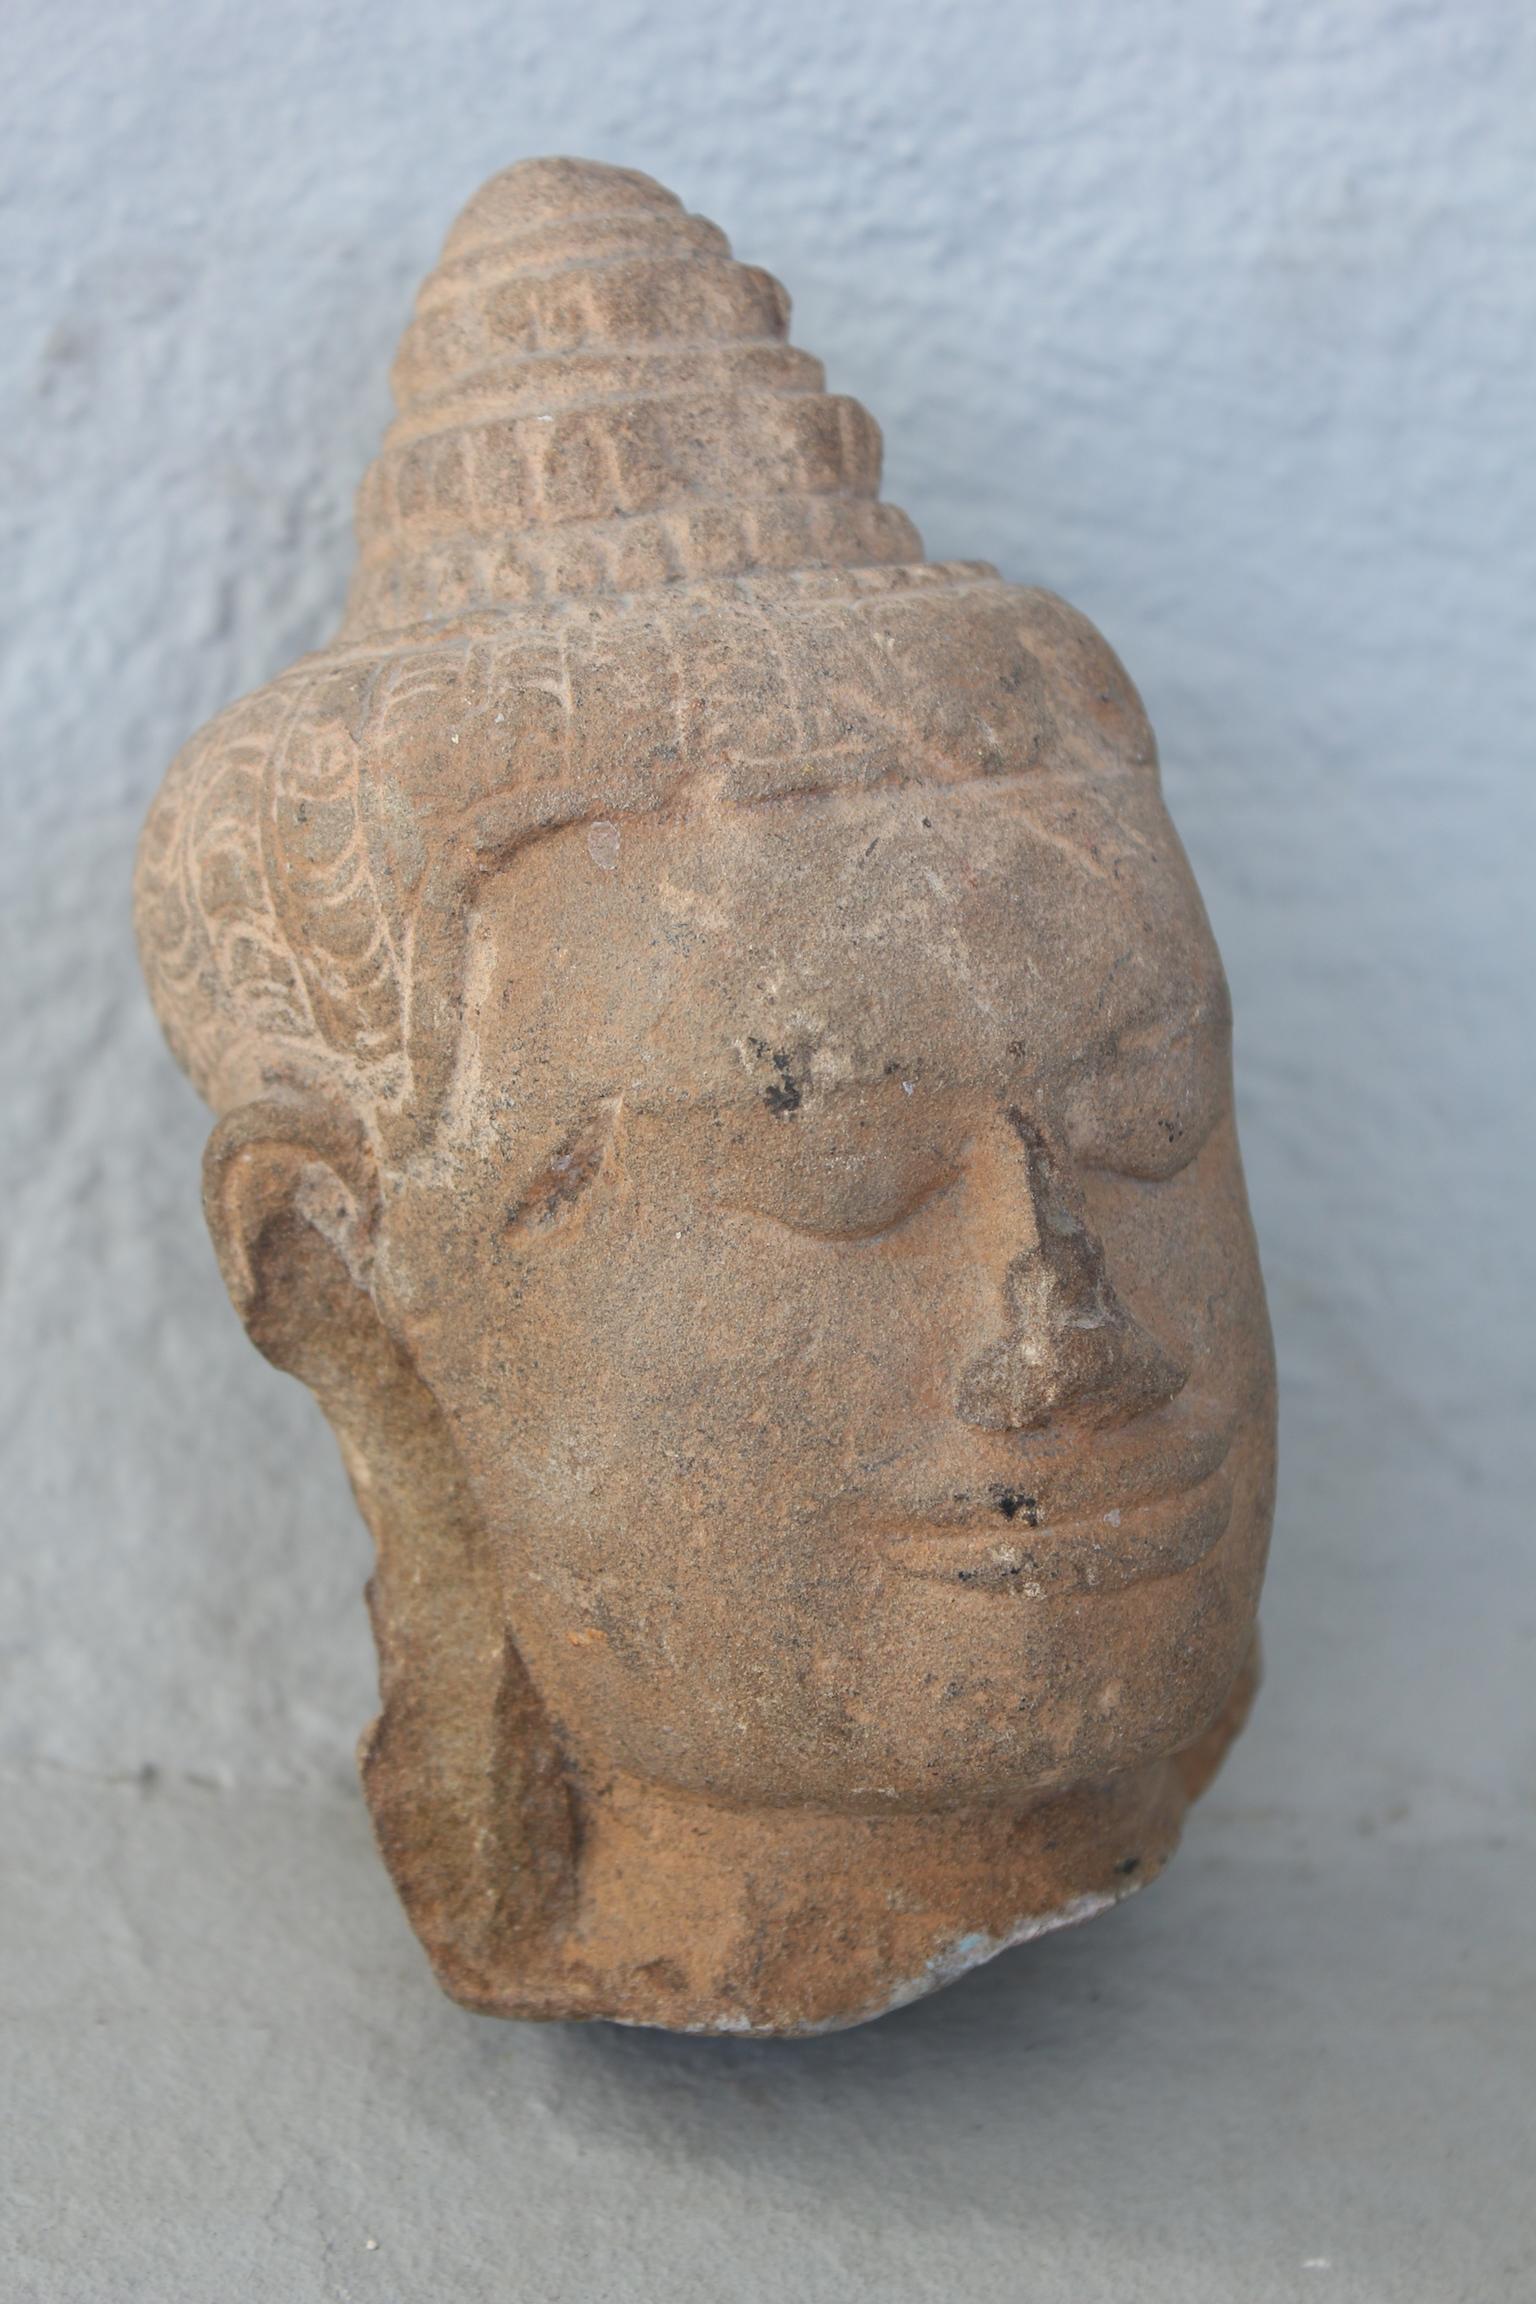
column 723, row 1092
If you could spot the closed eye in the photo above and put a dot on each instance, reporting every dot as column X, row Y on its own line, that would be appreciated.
column 1157, row 1147
column 851, row 1225
column 1145, row 1107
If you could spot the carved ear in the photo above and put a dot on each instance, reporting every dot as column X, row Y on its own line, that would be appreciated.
column 291, row 1195
column 466, row 1786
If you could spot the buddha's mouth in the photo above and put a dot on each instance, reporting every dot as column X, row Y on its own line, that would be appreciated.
column 1130, row 1515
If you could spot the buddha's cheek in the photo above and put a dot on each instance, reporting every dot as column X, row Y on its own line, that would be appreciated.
column 707, row 1390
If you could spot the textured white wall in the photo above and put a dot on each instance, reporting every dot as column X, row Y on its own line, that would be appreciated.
column 1217, row 315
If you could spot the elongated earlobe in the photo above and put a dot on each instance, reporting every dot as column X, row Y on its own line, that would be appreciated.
column 291, row 1196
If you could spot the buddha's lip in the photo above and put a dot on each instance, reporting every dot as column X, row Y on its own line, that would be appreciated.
column 1120, row 1547
column 1049, row 1478
column 1132, row 1513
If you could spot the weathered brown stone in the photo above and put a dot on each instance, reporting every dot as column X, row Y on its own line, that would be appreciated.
column 723, row 1091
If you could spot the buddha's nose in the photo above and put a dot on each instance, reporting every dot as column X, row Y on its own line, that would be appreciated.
column 1071, row 1347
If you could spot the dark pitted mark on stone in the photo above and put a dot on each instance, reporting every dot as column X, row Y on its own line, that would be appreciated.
column 786, row 1094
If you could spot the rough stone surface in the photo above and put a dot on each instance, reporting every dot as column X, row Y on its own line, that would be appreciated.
column 724, row 1094
column 1254, row 390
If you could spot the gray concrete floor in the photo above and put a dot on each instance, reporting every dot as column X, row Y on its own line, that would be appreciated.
column 1300, row 2067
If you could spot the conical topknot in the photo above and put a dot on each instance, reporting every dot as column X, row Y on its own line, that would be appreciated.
column 594, row 397
column 533, row 193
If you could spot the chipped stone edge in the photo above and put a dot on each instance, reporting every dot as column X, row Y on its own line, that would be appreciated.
column 954, row 1959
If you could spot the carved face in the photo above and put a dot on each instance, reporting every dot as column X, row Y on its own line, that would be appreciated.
column 835, row 1271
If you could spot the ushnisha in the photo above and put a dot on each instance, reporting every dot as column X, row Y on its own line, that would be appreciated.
column 723, row 1093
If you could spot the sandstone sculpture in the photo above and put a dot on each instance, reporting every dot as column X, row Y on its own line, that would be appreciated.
column 723, row 1093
